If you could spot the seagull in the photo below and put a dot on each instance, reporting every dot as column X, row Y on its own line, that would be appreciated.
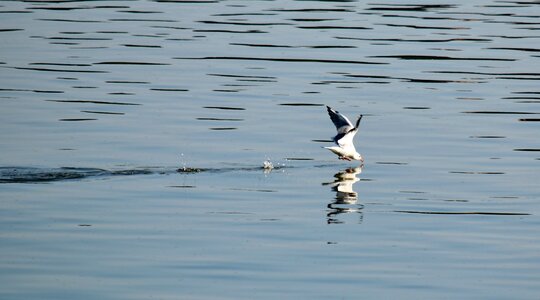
column 344, row 138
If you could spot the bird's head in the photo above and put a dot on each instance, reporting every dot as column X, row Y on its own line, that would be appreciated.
column 359, row 157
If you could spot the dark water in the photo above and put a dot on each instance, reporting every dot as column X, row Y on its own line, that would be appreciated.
column 172, row 150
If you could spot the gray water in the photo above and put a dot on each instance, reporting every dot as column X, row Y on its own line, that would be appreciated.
column 134, row 134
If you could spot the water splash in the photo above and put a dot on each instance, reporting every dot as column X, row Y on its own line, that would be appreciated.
column 268, row 165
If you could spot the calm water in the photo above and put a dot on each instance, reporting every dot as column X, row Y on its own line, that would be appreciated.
column 134, row 135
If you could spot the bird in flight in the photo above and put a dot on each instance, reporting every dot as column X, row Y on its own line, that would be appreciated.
column 344, row 148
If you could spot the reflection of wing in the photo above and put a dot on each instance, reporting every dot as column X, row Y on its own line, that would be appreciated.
column 346, row 198
column 346, row 186
column 344, row 191
column 343, row 185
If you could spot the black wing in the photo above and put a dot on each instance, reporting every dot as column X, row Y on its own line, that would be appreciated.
column 358, row 121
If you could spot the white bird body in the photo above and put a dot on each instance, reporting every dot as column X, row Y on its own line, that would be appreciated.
column 345, row 133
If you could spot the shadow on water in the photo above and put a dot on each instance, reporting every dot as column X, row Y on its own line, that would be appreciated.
column 346, row 200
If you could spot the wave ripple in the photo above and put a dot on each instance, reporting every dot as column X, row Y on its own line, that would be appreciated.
column 40, row 175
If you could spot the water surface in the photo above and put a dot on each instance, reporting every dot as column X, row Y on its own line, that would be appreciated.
column 134, row 137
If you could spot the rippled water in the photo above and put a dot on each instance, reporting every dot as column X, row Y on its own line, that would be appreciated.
column 172, row 150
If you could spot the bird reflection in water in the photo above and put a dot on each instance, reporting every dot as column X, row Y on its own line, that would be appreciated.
column 346, row 198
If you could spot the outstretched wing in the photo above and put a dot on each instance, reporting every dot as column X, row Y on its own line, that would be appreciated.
column 357, row 125
column 343, row 125
column 345, row 129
